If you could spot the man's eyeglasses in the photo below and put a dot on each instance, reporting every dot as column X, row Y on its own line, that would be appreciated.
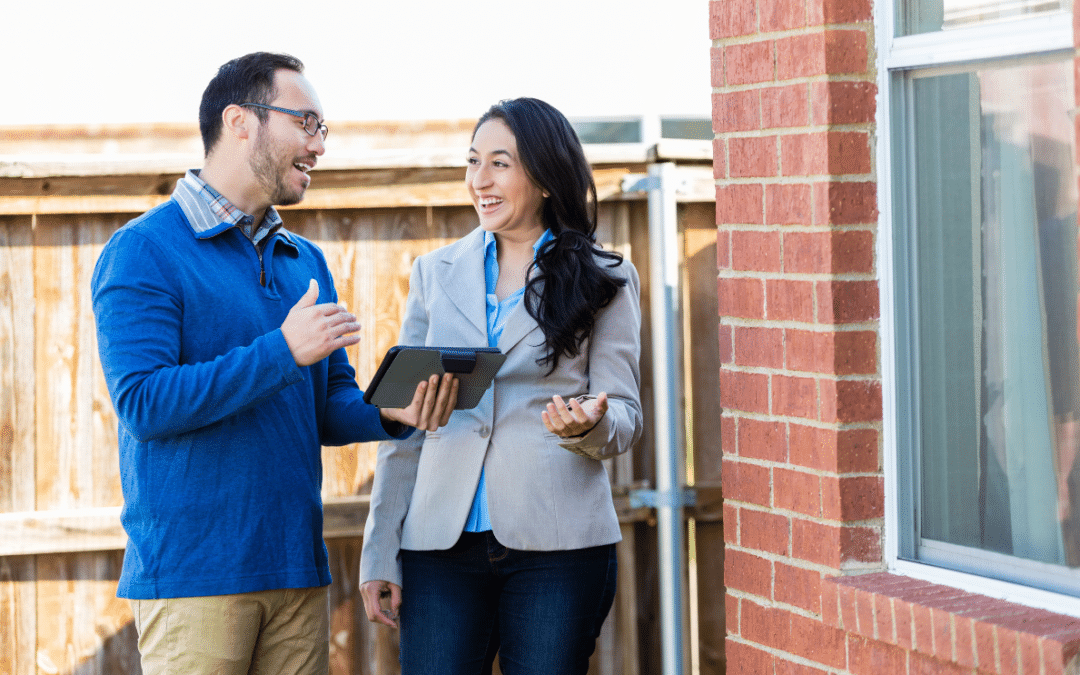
column 312, row 125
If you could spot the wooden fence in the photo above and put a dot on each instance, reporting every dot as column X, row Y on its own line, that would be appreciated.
column 60, row 539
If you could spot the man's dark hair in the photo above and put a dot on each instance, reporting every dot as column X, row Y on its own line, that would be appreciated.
column 247, row 79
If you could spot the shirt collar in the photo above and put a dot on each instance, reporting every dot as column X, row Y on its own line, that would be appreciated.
column 490, row 249
column 209, row 212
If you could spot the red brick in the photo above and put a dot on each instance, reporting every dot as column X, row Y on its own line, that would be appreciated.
column 785, row 107
column 857, row 451
column 849, row 620
column 743, row 659
column 839, row 353
column 728, row 434
column 847, row 401
column 719, row 162
column 941, row 624
column 752, row 157
column 849, row 450
column 749, row 63
column 804, row 154
column 884, row 626
column 740, row 297
column 725, row 337
column 731, row 525
column 797, row 491
column 821, row 12
column 926, row 665
column 845, row 203
column 848, row 152
column 800, row 587
column 869, row 657
column 864, row 614
column 788, row 668
column 748, row 573
column 716, row 63
column 788, row 300
column 985, row 645
column 740, row 204
column 731, row 614
column 747, row 392
column 755, row 251
column 856, row 497
column 763, row 440
column 731, row 18
column 860, row 544
column 923, row 624
column 817, row 642
column 848, row 301
column 830, row 602
column 843, row 102
column 837, row 251
column 831, row 52
column 816, row 543
column 736, row 111
column 766, row 626
column 1008, row 651
column 855, row 353
column 795, row 396
column 763, row 531
column 789, row 205
column 1029, row 654
column 905, row 625
column 808, row 351
column 778, row 15
column 743, row 482
column 723, row 249
column 964, row 641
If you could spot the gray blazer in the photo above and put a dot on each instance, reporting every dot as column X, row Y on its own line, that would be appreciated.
column 544, row 492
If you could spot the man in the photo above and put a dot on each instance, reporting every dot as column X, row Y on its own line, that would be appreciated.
column 223, row 348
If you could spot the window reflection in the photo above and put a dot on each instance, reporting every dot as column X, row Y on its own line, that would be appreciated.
column 996, row 293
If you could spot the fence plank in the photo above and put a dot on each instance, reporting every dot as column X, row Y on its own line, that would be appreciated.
column 17, row 308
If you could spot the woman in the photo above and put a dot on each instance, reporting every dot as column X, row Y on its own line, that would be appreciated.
column 496, row 533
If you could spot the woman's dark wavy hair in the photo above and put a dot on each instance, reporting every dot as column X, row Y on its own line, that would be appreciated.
column 569, row 285
column 247, row 79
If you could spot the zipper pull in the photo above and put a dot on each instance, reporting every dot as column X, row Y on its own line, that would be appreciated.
column 262, row 277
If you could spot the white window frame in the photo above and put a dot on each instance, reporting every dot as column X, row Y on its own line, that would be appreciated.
column 1039, row 34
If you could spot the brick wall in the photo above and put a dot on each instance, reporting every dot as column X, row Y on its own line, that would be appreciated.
column 794, row 91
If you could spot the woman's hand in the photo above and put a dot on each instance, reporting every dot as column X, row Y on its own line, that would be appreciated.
column 431, row 406
column 575, row 419
column 374, row 592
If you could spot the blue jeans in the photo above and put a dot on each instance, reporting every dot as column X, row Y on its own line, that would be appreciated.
column 540, row 611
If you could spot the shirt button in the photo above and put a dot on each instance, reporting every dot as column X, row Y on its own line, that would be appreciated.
column 484, row 431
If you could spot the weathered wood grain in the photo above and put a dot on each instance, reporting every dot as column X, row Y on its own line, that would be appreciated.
column 17, row 421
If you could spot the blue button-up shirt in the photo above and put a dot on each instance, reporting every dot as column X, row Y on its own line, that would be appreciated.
column 497, row 313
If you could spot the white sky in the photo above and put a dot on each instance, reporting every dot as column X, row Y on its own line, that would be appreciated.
column 122, row 61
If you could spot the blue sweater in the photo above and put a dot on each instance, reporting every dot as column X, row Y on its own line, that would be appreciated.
column 220, row 431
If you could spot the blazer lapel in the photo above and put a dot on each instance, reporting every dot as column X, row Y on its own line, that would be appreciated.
column 461, row 275
column 519, row 324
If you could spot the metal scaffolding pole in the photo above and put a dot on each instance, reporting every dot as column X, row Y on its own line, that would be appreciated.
column 665, row 303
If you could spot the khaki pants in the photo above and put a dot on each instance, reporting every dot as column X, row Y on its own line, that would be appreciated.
column 280, row 632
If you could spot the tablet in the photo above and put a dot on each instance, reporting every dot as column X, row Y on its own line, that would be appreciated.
column 404, row 367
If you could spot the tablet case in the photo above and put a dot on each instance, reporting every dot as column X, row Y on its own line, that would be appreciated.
column 404, row 367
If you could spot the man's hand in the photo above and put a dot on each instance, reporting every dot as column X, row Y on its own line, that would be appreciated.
column 574, row 419
column 313, row 331
column 431, row 406
column 374, row 592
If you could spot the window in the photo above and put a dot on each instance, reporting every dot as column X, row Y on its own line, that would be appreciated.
column 980, row 154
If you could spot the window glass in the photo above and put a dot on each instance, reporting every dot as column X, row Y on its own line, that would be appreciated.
column 927, row 16
column 992, row 270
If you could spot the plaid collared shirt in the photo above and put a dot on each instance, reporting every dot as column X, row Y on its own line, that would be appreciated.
column 206, row 208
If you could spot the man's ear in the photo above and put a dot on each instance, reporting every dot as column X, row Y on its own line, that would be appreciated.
column 238, row 121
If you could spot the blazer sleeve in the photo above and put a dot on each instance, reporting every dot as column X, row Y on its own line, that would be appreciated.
column 395, row 465
column 614, row 353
